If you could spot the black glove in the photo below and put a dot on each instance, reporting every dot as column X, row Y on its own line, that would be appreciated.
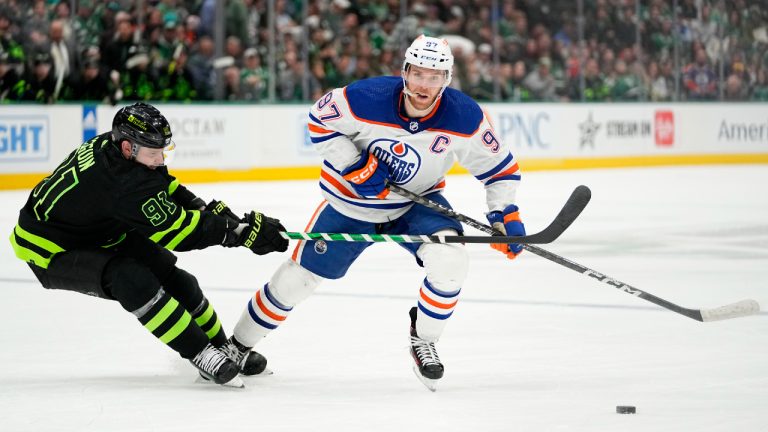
column 262, row 235
column 222, row 209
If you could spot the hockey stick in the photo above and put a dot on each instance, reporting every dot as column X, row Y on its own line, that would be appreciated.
column 570, row 211
column 539, row 238
column 734, row 310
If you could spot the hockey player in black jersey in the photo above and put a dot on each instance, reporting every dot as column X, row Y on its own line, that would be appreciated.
column 105, row 221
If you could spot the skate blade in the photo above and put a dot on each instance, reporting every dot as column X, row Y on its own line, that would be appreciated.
column 265, row 372
column 428, row 383
column 235, row 382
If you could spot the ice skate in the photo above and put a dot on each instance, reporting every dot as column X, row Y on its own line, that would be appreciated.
column 250, row 362
column 215, row 366
column 427, row 367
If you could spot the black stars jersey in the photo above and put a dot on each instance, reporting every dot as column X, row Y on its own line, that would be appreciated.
column 96, row 196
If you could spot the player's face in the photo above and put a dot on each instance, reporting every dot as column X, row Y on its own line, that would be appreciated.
column 151, row 157
column 425, row 84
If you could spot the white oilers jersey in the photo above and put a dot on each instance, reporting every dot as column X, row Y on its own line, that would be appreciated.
column 368, row 116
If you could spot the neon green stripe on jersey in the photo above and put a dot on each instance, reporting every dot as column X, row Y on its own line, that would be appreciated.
column 177, row 328
column 27, row 255
column 185, row 232
column 206, row 316
column 38, row 241
column 172, row 187
column 212, row 332
column 161, row 316
column 156, row 237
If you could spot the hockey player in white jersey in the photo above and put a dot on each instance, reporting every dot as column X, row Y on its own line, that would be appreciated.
column 405, row 130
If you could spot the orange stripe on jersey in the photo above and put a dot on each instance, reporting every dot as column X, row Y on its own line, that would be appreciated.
column 456, row 133
column 513, row 169
column 366, row 120
column 337, row 185
column 437, row 304
column 431, row 113
column 318, row 129
column 309, row 225
column 266, row 311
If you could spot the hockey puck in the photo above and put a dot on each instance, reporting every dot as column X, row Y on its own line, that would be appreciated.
column 625, row 409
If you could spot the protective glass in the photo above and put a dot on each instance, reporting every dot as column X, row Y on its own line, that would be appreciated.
column 425, row 78
column 169, row 153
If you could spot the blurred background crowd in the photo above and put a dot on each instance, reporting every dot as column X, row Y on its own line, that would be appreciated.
column 295, row 50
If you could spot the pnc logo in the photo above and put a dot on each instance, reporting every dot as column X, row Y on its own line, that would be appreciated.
column 402, row 160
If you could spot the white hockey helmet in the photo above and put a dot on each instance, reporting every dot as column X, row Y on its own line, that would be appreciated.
column 431, row 53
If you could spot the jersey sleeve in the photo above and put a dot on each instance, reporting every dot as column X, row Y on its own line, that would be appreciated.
column 493, row 164
column 331, row 127
column 148, row 207
column 184, row 196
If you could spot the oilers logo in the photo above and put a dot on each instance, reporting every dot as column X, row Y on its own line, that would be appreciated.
column 402, row 159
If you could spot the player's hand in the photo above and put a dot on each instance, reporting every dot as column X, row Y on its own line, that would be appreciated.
column 262, row 234
column 368, row 177
column 222, row 209
column 507, row 222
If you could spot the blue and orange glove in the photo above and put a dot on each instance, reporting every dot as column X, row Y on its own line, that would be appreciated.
column 368, row 177
column 507, row 222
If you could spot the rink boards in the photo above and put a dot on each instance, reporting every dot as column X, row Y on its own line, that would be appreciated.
column 270, row 142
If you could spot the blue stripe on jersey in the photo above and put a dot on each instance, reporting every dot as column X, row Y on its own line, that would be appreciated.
column 374, row 206
column 496, row 169
column 331, row 167
column 315, row 119
column 443, row 294
column 256, row 318
column 434, row 315
column 506, row 177
column 324, row 138
column 273, row 301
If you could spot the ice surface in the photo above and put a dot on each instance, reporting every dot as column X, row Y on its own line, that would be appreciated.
column 532, row 346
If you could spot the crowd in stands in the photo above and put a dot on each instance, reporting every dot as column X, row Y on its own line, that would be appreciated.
column 163, row 50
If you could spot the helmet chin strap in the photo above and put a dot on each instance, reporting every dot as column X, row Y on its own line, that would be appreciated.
column 412, row 110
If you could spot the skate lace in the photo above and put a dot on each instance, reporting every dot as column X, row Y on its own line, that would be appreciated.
column 209, row 359
column 425, row 351
column 230, row 350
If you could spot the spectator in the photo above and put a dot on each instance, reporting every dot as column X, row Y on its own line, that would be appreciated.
column 116, row 52
column 63, row 54
column 254, row 79
column 540, row 83
column 627, row 85
column 595, row 88
column 9, row 79
column 90, row 84
column 760, row 89
column 176, row 82
column 39, row 81
column 659, row 88
column 699, row 78
column 201, row 67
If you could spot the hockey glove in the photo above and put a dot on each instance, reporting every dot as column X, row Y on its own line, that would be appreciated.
column 508, row 223
column 262, row 234
column 368, row 177
column 222, row 209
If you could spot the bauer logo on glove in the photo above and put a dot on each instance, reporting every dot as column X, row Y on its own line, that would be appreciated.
column 262, row 234
column 253, row 229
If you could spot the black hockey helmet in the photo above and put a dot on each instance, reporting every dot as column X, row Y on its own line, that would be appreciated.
column 141, row 124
